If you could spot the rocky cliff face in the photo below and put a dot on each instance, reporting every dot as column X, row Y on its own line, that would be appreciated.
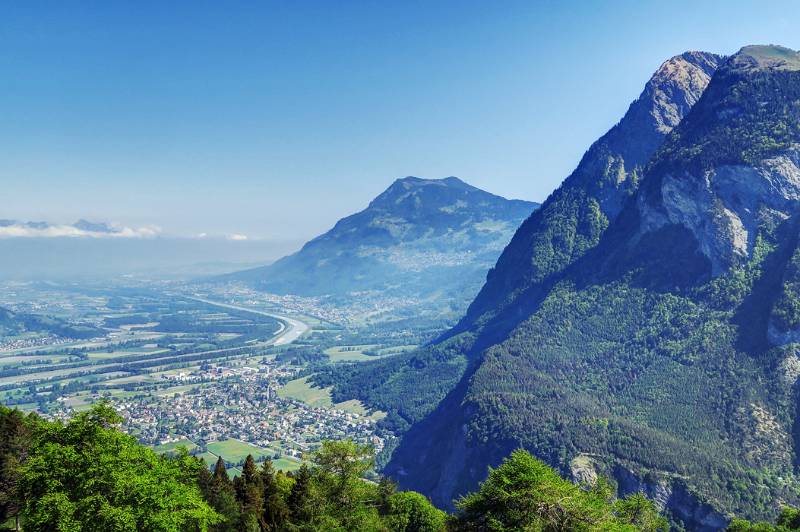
column 575, row 216
column 724, row 195
column 611, row 168
column 724, row 207
column 672, row 496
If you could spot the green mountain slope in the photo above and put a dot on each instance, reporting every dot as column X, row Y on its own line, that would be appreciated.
column 574, row 217
column 665, row 355
column 567, row 225
column 421, row 237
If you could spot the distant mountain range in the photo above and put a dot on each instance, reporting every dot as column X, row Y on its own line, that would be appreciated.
column 426, row 238
column 644, row 323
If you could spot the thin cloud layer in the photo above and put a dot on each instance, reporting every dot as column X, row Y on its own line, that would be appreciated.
column 21, row 230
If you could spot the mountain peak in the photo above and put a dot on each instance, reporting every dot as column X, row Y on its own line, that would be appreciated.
column 676, row 86
column 416, row 224
column 412, row 187
column 765, row 57
column 706, row 61
column 604, row 304
column 413, row 181
column 735, row 155
column 574, row 216
column 92, row 227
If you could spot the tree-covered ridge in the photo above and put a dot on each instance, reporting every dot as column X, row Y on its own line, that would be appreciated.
column 560, row 232
column 786, row 311
column 15, row 323
column 645, row 358
column 572, row 219
column 406, row 386
column 87, row 475
column 744, row 116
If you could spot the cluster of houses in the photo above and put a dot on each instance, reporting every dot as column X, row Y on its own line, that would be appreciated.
column 241, row 403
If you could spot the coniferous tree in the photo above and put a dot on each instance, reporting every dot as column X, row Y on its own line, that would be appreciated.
column 386, row 488
column 276, row 513
column 218, row 491
column 221, row 473
column 300, row 499
column 204, row 480
column 250, row 494
column 15, row 436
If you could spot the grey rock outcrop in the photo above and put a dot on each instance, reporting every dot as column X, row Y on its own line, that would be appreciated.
column 724, row 206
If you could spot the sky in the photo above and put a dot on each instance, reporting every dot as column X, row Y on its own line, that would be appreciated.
column 272, row 120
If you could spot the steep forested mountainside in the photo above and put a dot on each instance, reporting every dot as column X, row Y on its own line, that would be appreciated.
column 575, row 216
column 665, row 356
column 568, row 224
column 419, row 237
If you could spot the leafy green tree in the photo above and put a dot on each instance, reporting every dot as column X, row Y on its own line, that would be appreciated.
column 410, row 511
column 526, row 494
column 339, row 469
column 742, row 525
column 788, row 521
column 341, row 465
column 87, row 475
column 789, row 518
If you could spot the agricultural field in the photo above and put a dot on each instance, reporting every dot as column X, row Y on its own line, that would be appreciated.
column 173, row 446
column 350, row 353
column 235, row 451
column 301, row 390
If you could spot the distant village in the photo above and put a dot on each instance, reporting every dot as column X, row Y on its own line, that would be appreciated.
column 241, row 403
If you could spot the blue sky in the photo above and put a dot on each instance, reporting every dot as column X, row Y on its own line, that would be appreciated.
column 274, row 119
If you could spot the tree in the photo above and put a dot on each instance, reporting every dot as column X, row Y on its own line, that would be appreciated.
column 15, row 436
column 276, row 512
column 250, row 494
column 341, row 465
column 339, row 468
column 789, row 518
column 410, row 511
column 386, row 488
column 217, row 490
column 526, row 494
column 89, row 475
column 300, row 499
column 637, row 510
column 788, row 521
